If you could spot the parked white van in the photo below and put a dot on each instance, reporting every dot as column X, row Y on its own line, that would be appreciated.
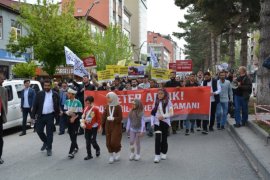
column 14, row 89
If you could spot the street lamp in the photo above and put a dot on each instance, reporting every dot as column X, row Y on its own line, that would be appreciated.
column 90, row 8
column 140, row 48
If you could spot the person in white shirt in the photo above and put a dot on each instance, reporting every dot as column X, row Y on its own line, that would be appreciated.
column 145, row 84
column 134, row 84
column 214, row 99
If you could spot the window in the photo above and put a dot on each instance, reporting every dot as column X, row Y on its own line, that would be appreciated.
column 1, row 27
column 126, row 18
column 19, row 89
column 35, row 87
column 16, row 28
column 10, row 94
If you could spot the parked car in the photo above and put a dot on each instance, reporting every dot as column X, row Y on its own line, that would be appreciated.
column 14, row 89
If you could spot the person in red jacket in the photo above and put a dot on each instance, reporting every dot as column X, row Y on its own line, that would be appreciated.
column 91, row 122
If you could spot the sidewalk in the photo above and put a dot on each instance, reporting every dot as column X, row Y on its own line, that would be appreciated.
column 252, row 142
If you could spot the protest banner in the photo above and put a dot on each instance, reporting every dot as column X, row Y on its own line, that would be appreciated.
column 106, row 75
column 160, row 74
column 188, row 102
column 136, row 71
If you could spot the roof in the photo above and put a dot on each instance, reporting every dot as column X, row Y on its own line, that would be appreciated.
column 10, row 5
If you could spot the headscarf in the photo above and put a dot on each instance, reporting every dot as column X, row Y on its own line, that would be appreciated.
column 114, row 98
column 135, row 115
column 164, row 102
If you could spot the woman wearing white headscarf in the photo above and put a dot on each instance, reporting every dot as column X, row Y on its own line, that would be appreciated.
column 112, row 119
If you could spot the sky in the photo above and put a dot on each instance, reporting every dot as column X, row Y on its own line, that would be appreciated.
column 162, row 17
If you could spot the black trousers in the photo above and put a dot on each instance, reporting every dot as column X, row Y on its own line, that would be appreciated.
column 212, row 117
column 161, row 143
column 73, row 133
column 25, row 112
column 175, row 125
column 91, row 139
column 48, row 121
column 198, row 123
column 1, row 137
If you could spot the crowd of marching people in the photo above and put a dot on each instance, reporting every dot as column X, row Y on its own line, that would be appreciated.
column 64, row 104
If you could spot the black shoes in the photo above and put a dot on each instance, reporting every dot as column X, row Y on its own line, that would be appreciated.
column 98, row 153
column 187, row 132
column 88, row 157
column 237, row 125
column 61, row 133
column 22, row 134
column 76, row 150
column 49, row 152
column 205, row 132
column 71, row 155
column 192, row 130
column 211, row 129
column 1, row 161
column 44, row 146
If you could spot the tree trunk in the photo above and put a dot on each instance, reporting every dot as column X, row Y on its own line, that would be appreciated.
column 213, row 52
column 218, row 44
column 263, row 73
column 244, row 38
column 232, row 46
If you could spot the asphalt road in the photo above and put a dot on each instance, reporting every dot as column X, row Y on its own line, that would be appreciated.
column 194, row 157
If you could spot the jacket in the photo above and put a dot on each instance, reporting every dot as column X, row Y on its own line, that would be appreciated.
column 4, row 97
column 39, row 102
column 31, row 97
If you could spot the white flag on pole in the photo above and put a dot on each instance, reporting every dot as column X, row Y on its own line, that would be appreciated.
column 154, row 60
column 73, row 59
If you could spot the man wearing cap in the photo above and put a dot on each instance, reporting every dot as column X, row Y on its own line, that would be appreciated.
column 45, row 108
column 73, row 110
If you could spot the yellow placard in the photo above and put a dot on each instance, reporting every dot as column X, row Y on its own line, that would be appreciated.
column 160, row 74
column 118, row 70
column 105, row 75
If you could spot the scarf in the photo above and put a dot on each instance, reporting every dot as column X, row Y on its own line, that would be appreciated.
column 114, row 98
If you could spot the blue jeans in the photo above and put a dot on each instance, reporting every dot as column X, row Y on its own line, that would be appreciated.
column 189, row 124
column 241, row 104
column 222, row 111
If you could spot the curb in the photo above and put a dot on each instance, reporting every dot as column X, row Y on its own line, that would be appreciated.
column 258, row 167
column 259, row 131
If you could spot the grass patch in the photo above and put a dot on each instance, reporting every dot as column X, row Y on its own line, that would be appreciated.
column 264, row 126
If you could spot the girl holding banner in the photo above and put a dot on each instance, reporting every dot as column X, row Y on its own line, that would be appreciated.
column 135, row 128
column 112, row 119
column 160, row 120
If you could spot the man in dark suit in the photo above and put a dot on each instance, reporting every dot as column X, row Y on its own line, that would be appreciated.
column 27, row 98
column 45, row 108
column 4, row 110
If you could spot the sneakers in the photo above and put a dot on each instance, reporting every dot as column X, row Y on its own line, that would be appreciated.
column 157, row 159
column 44, row 146
column 198, row 129
column 1, row 161
column 88, row 157
column 204, row 132
column 163, row 156
column 137, row 157
column 49, row 152
column 132, row 156
column 117, row 156
column 237, row 125
column 187, row 132
column 76, row 150
column 97, row 153
column 71, row 155
column 111, row 158
column 192, row 130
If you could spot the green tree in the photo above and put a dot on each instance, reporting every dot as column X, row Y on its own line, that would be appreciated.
column 24, row 70
column 49, row 30
column 111, row 46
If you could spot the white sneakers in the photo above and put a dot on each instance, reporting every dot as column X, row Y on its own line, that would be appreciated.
column 163, row 156
column 137, row 157
column 157, row 159
column 160, row 157
column 117, row 156
column 132, row 156
column 111, row 158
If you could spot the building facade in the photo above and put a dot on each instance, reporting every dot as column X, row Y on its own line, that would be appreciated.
column 8, row 24
column 138, row 9
column 166, row 50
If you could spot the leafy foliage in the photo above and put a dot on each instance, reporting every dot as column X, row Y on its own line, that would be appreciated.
column 24, row 70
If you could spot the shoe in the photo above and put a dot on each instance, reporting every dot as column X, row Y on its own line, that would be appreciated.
column 1, row 161
column 76, row 150
column 198, row 129
column 98, row 153
column 243, row 124
column 88, row 157
column 187, row 132
column 211, row 129
column 132, row 156
column 174, row 132
column 157, row 159
column 71, row 155
column 111, row 159
column 61, row 133
column 117, row 156
column 222, row 128
column 44, row 146
column 150, row 134
column 237, row 125
column 137, row 157
column 204, row 132
column 22, row 134
column 163, row 156
column 218, row 126
column 49, row 152
column 192, row 130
